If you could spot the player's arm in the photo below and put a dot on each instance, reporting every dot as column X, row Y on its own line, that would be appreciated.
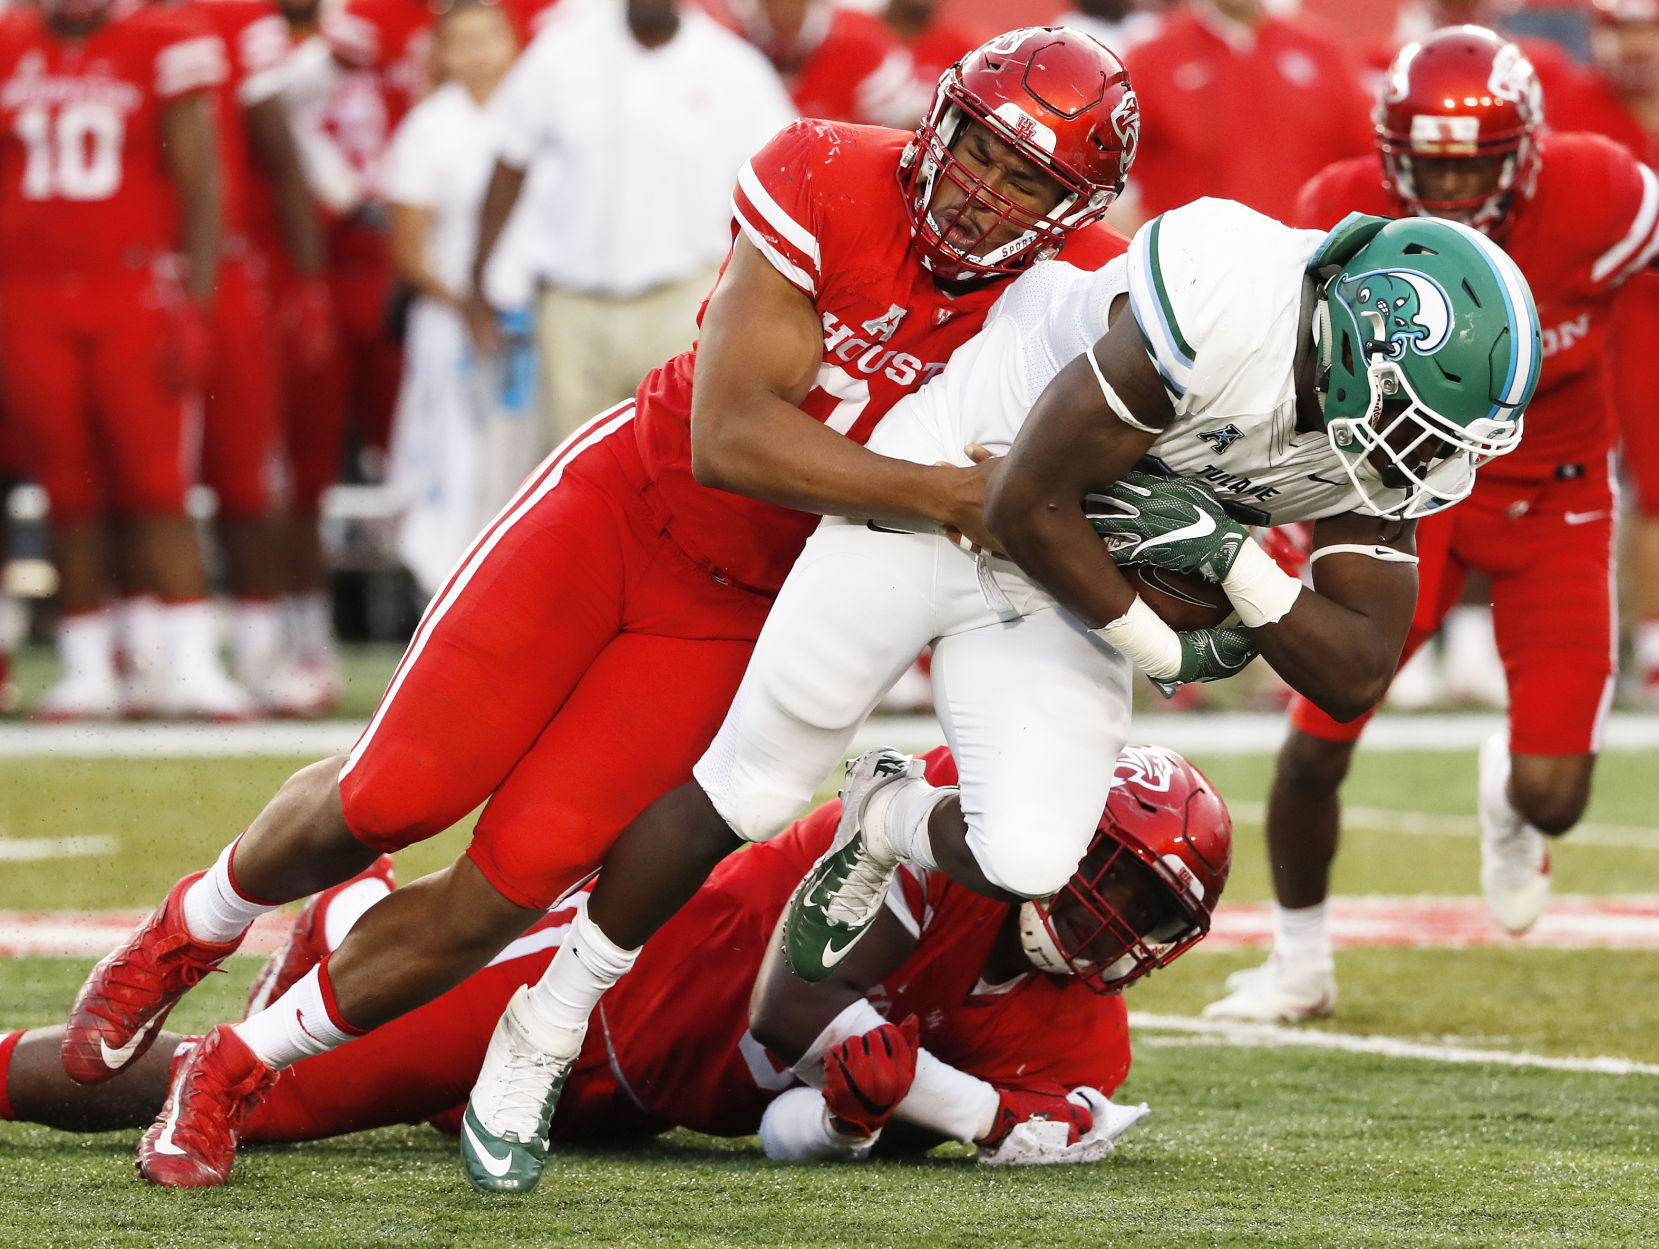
column 272, row 141
column 500, row 198
column 1339, row 645
column 188, row 137
column 1077, row 441
column 757, row 358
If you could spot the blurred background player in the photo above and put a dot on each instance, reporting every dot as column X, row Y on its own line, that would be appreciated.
column 933, row 42
column 466, row 433
column 992, row 1014
column 838, row 63
column 624, row 278
column 1297, row 105
column 107, row 168
column 1459, row 134
column 1119, row 24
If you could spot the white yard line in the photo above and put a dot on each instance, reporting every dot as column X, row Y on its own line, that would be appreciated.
column 1571, row 923
column 34, row 849
column 1430, row 824
column 1274, row 1036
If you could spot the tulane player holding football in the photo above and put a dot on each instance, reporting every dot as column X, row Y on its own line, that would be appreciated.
column 1355, row 378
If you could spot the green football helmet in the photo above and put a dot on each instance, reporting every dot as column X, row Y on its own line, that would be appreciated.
column 1429, row 354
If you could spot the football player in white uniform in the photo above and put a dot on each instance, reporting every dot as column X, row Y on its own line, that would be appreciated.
column 1355, row 379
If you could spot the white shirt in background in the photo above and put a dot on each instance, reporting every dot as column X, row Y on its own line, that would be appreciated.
column 1119, row 35
column 633, row 152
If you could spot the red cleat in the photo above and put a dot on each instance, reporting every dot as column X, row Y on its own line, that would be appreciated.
column 307, row 940
column 215, row 1084
column 127, row 997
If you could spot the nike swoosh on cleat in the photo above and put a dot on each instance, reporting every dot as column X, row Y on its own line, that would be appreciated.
column 117, row 1058
column 164, row 1142
column 497, row 1167
column 1204, row 524
column 832, row 956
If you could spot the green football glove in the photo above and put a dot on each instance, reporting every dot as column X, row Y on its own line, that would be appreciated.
column 1167, row 522
column 1209, row 655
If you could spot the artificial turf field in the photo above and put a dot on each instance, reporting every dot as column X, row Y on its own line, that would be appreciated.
column 1245, row 1146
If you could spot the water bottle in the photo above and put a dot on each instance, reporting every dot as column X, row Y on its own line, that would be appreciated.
column 516, row 394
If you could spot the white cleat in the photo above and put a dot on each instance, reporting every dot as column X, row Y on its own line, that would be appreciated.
column 80, row 696
column 1514, row 856
column 203, row 693
column 1418, row 683
column 284, row 686
column 1277, row 992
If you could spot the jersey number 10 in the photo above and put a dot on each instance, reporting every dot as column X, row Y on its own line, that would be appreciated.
column 73, row 152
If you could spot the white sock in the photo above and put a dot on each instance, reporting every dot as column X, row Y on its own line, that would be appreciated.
column 297, row 1025
column 257, row 635
column 348, row 906
column 192, row 636
column 1301, row 934
column 144, row 633
column 86, row 644
column 214, row 910
column 1469, row 636
column 14, row 622
column 898, row 816
column 310, row 621
column 586, row 965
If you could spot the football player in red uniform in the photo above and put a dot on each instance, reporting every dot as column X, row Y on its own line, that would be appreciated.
column 1459, row 134
column 959, row 1017
column 616, row 598
column 839, row 64
column 106, row 170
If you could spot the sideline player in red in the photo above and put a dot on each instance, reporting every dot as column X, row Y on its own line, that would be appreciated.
column 612, row 605
column 106, row 170
column 959, row 1017
column 838, row 63
column 1459, row 134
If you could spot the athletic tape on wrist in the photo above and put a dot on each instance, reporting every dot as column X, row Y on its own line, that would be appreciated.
column 1386, row 554
column 1114, row 401
column 948, row 1100
column 1146, row 641
column 1261, row 591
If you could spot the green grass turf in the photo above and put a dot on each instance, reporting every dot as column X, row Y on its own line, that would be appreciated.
column 1245, row 1147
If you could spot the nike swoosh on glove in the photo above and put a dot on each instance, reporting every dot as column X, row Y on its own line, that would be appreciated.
column 1017, row 1106
column 1167, row 522
column 866, row 1077
column 1209, row 655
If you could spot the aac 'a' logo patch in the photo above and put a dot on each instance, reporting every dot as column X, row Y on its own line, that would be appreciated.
column 1222, row 438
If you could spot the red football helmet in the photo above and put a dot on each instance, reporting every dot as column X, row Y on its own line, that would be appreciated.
column 1147, row 885
column 1463, row 93
column 1060, row 99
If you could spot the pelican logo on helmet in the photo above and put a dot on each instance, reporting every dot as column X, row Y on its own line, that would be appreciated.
column 1401, row 309
column 1514, row 79
column 1024, row 127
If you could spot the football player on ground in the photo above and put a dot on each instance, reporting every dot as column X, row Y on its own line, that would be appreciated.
column 586, row 648
column 1355, row 378
column 107, row 170
column 1578, row 214
column 959, row 1017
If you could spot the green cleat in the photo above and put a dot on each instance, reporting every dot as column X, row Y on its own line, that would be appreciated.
column 844, row 892
column 504, row 1131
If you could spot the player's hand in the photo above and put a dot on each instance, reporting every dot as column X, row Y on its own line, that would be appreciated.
column 1166, row 522
column 306, row 318
column 1209, row 655
column 484, row 323
column 866, row 1077
column 1017, row 1106
column 1042, row 1142
column 188, row 351
column 965, row 523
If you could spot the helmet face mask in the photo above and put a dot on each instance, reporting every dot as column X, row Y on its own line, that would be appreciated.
column 1456, row 127
column 1063, row 104
column 1152, row 875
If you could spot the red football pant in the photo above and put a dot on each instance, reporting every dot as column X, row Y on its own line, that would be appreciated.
column 572, row 670
column 240, row 402
column 85, row 391
column 1551, row 568
column 1633, row 354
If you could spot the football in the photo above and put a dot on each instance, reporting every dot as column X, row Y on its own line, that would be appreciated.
column 1182, row 600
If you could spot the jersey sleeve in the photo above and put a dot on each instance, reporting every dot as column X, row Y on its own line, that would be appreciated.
column 259, row 51
column 417, row 169
column 353, row 34
column 1166, row 263
column 1629, row 241
column 1319, row 203
column 774, row 207
column 522, row 106
column 190, row 56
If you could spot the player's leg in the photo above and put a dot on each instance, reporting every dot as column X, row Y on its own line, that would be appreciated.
column 35, row 1089
column 1553, row 608
column 493, row 658
column 1635, row 378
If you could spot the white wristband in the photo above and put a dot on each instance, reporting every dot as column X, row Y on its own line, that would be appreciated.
column 1261, row 591
column 1145, row 640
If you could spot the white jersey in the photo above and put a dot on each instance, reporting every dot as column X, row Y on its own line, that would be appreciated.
column 1216, row 289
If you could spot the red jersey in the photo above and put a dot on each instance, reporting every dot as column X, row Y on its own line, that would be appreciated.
column 1248, row 118
column 677, row 1029
column 392, row 38
column 84, row 182
column 821, row 202
column 1592, row 222
column 256, row 39
column 848, row 72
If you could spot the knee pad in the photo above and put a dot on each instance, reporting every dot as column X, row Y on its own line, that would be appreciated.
column 752, row 812
column 1028, row 867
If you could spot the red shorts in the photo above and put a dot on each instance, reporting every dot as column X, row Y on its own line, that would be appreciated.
column 240, row 400
column 1548, row 551
column 1633, row 355
column 571, row 671
column 85, row 390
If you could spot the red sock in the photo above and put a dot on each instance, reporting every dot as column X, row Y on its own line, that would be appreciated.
column 8, row 1043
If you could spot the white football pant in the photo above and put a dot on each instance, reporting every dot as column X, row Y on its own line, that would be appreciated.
column 1035, row 707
